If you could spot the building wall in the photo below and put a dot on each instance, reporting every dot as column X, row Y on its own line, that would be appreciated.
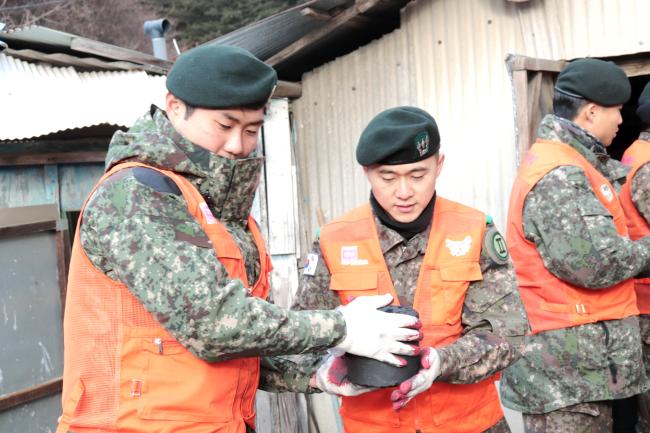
column 448, row 57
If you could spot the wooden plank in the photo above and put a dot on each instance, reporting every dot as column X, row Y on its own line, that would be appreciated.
column 315, row 14
column 520, row 85
column 635, row 67
column 287, row 89
column 26, row 215
column 30, row 394
column 279, row 178
column 114, row 52
column 51, row 158
column 62, row 261
column 26, row 229
column 519, row 63
column 340, row 20
column 534, row 90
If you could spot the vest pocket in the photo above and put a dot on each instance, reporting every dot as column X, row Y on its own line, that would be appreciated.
column 168, row 383
column 448, row 287
column 355, row 283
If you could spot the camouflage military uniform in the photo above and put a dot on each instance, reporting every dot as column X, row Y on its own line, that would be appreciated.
column 138, row 231
column 578, row 243
column 493, row 317
column 640, row 189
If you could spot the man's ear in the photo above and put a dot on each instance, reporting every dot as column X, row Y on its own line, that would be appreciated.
column 173, row 106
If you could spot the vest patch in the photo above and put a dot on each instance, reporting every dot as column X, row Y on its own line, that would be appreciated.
column 350, row 256
column 207, row 213
column 495, row 245
column 607, row 192
column 459, row 248
column 310, row 266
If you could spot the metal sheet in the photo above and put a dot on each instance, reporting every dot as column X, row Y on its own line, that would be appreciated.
column 30, row 312
column 37, row 99
column 39, row 416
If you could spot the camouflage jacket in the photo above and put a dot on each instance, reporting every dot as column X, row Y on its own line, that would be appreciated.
column 136, row 229
column 577, row 241
column 493, row 317
column 640, row 186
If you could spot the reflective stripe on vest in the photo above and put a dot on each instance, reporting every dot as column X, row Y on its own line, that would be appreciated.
column 550, row 302
column 353, row 255
column 124, row 372
column 637, row 155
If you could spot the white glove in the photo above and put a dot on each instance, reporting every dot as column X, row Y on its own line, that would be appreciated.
column 376, row 334
column 422, row 381
column 332, row 378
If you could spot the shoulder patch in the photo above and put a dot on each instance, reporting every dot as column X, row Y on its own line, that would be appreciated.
column 495, row 245
column 311, row 264
column 155, row 180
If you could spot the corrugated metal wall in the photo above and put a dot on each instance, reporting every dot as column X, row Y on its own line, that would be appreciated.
column 69, row 99
column 448, row 57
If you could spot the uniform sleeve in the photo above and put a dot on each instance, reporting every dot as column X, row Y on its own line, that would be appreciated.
column 147, row 240
column 314, row 289
column 640, row 189
column 282, row 374
column 494, row 320
column 289, row 373
column 575, row 234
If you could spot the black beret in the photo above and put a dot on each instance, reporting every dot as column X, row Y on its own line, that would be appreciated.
column 643, row 110
column 221, row 76
column 399, row 135
column 595, row 80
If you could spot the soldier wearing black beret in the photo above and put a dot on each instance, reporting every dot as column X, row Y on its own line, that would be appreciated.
column 444, row 259
column 575, row 262
column 169, row 275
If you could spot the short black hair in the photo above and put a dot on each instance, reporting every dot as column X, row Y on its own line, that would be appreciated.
column 567, row 106
column 189, row 108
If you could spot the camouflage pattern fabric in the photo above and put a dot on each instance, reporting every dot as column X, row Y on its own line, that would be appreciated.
column 593, row 417
column 577, row 241
column 640, row 187
column 500, row 427
column 493, row 316
column 147, row 240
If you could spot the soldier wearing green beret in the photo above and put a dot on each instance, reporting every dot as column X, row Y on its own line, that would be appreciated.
column 575, row 262
column 166, row 317
column 635, row 198
column 445, row 260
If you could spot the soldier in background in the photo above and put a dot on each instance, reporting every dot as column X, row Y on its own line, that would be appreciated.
column 165, row 318
column 446, row 260
column 575, row 263
column 635, row 199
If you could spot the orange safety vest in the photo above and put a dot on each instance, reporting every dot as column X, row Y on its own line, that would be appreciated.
column 550, row 302
column 353, row 255
column 637, row 155
column 124, row 372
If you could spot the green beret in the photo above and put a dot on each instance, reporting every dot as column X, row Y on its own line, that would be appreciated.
column 221, row 76
column 643, row 110
column 399, row 135
column 595, row 80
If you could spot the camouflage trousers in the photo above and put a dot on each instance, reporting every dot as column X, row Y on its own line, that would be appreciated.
column 594, row 417
column 499, row 427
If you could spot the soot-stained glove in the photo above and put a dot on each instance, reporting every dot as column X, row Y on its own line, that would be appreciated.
column 422, row 381
column 331, row 377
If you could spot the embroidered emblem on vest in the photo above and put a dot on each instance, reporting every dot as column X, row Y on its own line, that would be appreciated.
column 607, row 192
column 459, row 248
column 350, row 256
